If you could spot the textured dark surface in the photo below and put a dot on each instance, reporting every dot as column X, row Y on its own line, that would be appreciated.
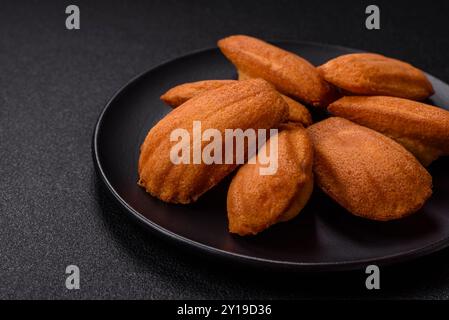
column 53, row 85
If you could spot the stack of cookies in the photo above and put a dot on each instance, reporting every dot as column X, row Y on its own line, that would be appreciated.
column 369, row 155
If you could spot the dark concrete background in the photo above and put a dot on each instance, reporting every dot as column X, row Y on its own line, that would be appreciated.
column 53, row 85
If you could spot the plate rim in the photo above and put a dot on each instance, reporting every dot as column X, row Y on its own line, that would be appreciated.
column 345, row 265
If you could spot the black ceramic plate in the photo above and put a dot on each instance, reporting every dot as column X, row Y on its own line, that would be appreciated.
column 322, row 237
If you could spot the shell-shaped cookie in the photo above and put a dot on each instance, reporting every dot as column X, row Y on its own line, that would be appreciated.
column 288, row 72
column 252, row 104
column 366, row 172
column 183, row 92
column 375, row 74
column 257, row 201
column 178, row 95
column 419, row 127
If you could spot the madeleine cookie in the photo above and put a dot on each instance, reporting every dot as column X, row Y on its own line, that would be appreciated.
column 180, row 94
column 366, row 172
column 289, row 73
column 183, row 92
column 374, row 74
column 420, row 128
column 256, row 201
column 252, row 104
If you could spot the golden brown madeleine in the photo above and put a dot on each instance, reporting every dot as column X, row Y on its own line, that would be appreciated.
column 246, row 104
column 366, row 172
column 256, row 201
column 420, row 128
column 289, row 73
column 180, row 94
column 374, row 74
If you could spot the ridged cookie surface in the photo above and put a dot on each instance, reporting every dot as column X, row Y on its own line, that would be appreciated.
column 289, row 73
column 256, row 201
column 180, row 94
column 366, row 172
column 375, row 74
column 420, row 128
column 246, row 104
